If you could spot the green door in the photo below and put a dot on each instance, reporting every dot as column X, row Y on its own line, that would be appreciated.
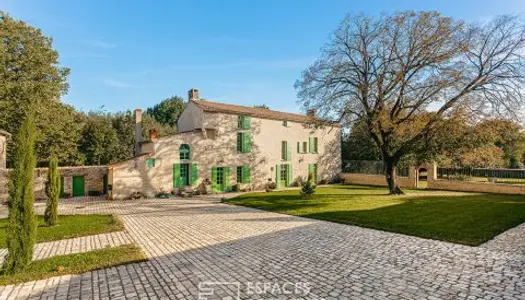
column 312, row 169
column 78, row 186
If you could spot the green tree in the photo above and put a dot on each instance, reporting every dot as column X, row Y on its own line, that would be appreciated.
column 30, row 76
column 168, row 110
column 388, row 70
column 52, row 192
column 99, row 139
column 262, row 106
column 21, row 230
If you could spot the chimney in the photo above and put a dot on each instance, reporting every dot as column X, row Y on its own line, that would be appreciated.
column 138, row 131
column 310, row 113
column 193, row 94
column 153, row 134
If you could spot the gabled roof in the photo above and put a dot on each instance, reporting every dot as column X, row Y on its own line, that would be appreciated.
column 257, row 112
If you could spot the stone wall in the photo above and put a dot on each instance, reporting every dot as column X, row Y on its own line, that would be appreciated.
column 3, row 150
column 379, row 180
column 93, row 180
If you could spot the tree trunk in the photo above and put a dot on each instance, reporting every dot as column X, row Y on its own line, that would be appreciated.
column 390, row 167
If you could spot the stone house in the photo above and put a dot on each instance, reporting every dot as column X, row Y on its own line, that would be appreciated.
column 224, row 145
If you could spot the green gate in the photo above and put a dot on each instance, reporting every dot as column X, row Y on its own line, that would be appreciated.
column 78, row 186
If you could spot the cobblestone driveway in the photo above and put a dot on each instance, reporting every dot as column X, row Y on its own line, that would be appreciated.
column 194, row 241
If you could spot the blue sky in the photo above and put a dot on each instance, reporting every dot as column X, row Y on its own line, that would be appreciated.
column 129, row 54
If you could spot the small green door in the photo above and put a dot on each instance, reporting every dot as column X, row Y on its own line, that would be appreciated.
column 78, row 186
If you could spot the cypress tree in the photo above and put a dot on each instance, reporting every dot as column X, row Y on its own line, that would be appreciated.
column 52, row 192
column 21, row 230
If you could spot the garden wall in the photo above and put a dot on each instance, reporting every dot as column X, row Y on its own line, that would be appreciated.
column 470, row 186
column 93, row 175
column 379, row 180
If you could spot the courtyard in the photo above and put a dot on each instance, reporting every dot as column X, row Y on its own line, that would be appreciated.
column 198, row 241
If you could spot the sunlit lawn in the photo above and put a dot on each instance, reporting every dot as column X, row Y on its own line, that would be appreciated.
column 466, row 218
column 69, row 226
column 76, row 263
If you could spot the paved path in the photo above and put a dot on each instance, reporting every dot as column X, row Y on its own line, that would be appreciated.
column 77, row 245
column 197, row 241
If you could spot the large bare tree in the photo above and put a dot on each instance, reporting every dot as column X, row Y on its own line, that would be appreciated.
column 392, row 69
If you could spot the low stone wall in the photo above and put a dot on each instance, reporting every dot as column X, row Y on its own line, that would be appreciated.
column 377, row 180
column 482, row 187
column 93, row 180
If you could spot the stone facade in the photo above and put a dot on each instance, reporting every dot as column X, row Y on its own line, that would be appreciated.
column 212, row 137
column 93, row 180
column 3, row 148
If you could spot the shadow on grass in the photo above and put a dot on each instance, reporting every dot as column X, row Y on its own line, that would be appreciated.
column 470, row 219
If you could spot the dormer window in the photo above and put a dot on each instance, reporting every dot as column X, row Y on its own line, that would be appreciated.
column 285, row 123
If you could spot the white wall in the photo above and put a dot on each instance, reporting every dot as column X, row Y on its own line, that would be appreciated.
column 222, row 152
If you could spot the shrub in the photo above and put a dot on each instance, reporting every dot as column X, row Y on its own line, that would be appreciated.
column 21, row 230
column 271, row 186
column 94, row 193
column 236, row 187
column 52, row 192
column 308, row 188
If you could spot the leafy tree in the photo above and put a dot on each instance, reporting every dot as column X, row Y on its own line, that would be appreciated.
column 262, row 106
column 389, row 70
column 168, row 110
column 30, row 73
column 52, row 192
column 21, row 230
column 99, row 139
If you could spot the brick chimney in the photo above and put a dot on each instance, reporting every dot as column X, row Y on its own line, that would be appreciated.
column 138, row 131
column 153, row 134
column 193, row 94
column 310, row 113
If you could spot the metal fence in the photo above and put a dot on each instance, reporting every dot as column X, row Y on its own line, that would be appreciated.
column 507, row 176
column 371, row 167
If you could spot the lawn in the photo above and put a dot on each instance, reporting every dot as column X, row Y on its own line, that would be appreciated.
column 465, row 218
column 76, row 263
column 69, row 226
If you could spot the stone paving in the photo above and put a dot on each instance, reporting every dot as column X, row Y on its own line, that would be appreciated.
column 77, row 245
column 196, row 241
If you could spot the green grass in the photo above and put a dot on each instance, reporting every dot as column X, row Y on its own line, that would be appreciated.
column 465, row 218
column 76, row 263
column 69, row 226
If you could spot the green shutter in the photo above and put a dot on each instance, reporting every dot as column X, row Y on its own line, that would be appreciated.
column 227, row 186
column 298, row 147
column 288, row 152
column 150, row 162
column 311, row 145
column 247, row 142
column 278, row 175
column 240, row 121
column 194, row 174
column 290, row 175
column 177, row 182
column 246, row 177
column 214, row 180
column 246, row 122
column 316, row 145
